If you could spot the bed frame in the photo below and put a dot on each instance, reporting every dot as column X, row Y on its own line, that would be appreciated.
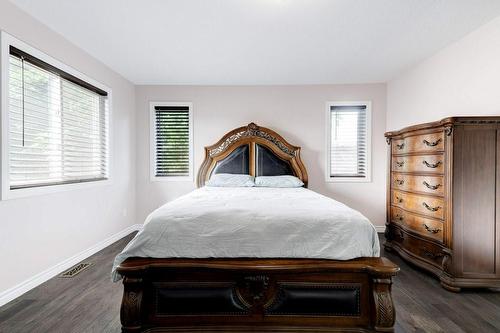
column 258, row 295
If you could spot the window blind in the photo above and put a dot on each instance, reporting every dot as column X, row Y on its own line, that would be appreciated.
column 172, row 141
column 348, row 146
column 58, row 128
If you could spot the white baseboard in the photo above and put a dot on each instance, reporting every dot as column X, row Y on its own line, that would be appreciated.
column 380, row 228
column 25, row 286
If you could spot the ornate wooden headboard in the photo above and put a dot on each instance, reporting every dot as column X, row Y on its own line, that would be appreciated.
column 253, row 150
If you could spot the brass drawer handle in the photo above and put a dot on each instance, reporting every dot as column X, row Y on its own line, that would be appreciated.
column 432, row 166
column 432, row 209
column 432, row 144
column 400, row 146
column 400, row 164
column 399, row 200
column 430, row 254
column 431, row 230
column 431, row 187
column 399, row 218
column 401, row 235
column 399, row 181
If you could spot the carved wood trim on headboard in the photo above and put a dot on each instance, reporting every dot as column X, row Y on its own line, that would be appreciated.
column 251, row 135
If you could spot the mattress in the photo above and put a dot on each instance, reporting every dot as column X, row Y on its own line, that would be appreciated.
column 254, row 222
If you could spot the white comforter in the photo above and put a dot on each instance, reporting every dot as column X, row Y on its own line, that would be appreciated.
column 253, row 222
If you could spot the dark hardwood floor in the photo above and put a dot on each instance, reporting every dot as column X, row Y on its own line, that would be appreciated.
column 422, row 305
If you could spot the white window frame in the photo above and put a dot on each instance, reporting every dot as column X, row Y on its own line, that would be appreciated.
column 6, row 40
column 152, row 143
column 368, row 177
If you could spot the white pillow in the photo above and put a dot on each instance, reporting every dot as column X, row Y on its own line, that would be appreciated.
column 278, row 181
column 231, row 180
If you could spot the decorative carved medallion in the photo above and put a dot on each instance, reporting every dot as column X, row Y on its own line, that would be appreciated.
column 253, row 291
column 388, row 140
column 256, row 286
column 252, row 130
column 430, row 254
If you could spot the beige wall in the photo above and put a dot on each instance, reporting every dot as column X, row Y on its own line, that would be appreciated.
column 462, row 79
column 296, row 112
column 41, row 231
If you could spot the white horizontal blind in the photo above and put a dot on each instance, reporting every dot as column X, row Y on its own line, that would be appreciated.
column 348, row 145
column 172, row 141
column 58, row 129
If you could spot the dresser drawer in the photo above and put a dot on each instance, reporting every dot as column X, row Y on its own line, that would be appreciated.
column 426, row 227
column 426, row 184
column 425, row 250
column 422, row 163
column 432, row 142
column 429, row 206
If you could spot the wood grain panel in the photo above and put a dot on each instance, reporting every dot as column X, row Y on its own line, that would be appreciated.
column 429, row 228
column 420, row 163
column 431, row 142
column 424, row 184
column 475, row 200
column 426, row 205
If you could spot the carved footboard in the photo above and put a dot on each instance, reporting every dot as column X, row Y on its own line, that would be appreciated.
column 280, row 295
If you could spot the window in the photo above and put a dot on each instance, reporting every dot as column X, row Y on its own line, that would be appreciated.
column 171, row 141
column 56, row 123
column 349, row 126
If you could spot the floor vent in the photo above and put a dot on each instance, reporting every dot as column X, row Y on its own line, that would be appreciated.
column 75, row 270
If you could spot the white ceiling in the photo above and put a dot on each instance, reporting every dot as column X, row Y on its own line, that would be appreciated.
column 261, row 41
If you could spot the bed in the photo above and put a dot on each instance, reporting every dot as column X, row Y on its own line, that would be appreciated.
column 255, row 259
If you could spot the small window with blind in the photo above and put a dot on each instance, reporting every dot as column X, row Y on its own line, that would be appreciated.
column 349, row 144
column 171, row 141
column 55, row 122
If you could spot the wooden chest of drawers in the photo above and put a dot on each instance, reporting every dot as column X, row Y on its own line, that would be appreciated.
column 442, row 199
